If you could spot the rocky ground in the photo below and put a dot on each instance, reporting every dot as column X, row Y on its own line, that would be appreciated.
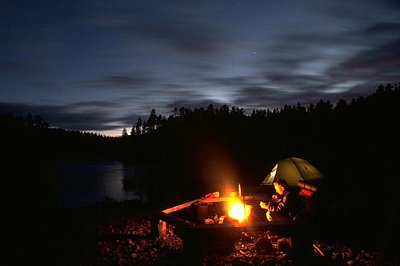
column 120, row 234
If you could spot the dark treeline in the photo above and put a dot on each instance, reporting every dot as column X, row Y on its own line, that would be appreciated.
column 354, row 143
column 32, row 137
column 30, row 147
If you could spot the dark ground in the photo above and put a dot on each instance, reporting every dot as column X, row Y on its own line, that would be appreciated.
column 113, row 233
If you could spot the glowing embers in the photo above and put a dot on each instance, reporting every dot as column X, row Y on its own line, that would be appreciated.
column 238, row 210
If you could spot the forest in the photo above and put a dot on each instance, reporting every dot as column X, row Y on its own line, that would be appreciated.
column 353, row 143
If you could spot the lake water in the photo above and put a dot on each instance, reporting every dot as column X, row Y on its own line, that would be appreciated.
column 81, row 184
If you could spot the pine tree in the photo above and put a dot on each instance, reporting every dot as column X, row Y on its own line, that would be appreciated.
column 124, row 132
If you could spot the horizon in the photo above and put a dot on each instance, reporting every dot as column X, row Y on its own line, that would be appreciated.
column 99, row 66
column 116, row 134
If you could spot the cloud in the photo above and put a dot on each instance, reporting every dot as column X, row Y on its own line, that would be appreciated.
column 251, row 98
column 380, row 63
column 383, row 28
column 231, row 81
column 25, row 68
column 84, row 116
column 122, row 59
column 257, row 98
column 122, row 81
column 195, row 104
column 187, row 28
column 334, row 64
column 182, row 37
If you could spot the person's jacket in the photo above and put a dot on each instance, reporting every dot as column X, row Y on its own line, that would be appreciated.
column 289, row 204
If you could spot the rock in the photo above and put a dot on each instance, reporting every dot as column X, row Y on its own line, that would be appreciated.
column 246, row 238
column 284, row 244
column 263, row 245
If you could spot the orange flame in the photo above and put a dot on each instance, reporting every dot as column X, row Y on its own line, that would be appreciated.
column 238, row 210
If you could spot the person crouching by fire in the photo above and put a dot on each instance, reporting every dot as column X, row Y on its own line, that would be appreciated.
column 285, row 205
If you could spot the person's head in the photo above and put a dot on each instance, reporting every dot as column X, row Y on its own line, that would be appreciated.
column 280, row 186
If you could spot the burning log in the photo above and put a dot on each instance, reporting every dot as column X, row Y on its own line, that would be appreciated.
column 238, row 210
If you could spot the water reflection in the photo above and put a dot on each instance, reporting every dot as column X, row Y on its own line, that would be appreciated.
column 82, row 184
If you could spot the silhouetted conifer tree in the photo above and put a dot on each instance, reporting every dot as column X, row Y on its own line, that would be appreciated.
column 124, row 132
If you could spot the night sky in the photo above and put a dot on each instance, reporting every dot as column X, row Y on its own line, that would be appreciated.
column 97, row 66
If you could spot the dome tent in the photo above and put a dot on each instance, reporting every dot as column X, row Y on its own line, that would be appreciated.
column 292, row 170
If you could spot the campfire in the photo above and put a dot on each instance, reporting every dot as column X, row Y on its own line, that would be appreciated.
column 234, row 207
column 223, row 217
column 215, row 214
column 238, row 210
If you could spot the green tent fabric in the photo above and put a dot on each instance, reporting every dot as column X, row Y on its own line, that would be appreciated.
column 293, row 169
